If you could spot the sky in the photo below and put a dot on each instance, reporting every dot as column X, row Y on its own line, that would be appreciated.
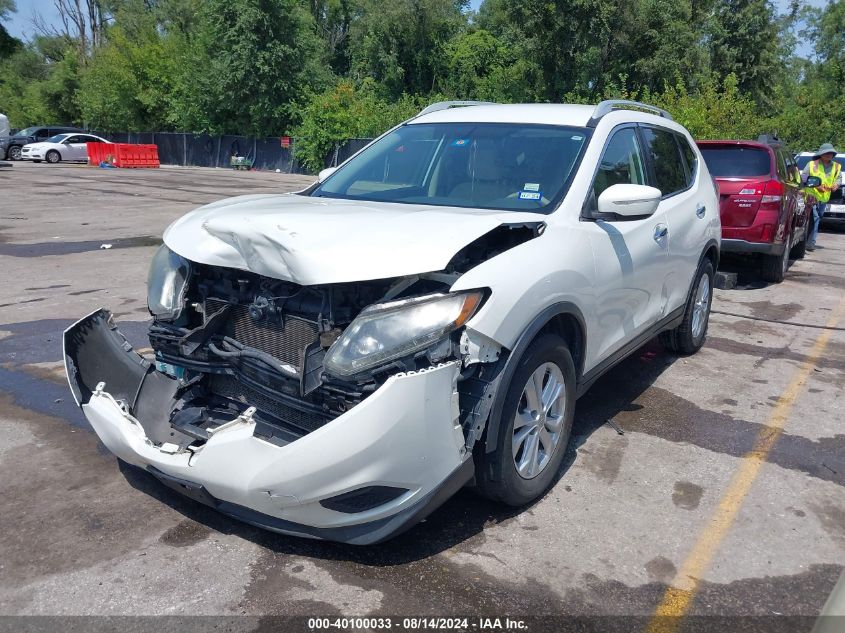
column 21, row 23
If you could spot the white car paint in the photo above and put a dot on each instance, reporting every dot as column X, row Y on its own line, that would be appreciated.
column 286, row 481
column 72, row 147
column 624, row 276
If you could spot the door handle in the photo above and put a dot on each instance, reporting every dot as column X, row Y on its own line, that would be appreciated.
column 660, row 231
column 700, row 210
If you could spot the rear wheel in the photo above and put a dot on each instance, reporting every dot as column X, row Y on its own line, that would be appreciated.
column 774, row 266
column 534, row 428
column 689, row 336
column 53, row 156
column 800, row 249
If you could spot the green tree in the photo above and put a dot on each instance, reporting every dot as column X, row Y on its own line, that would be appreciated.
column 744, row 37
column 126, row 84
column 402, row 43
column 8, row 44
column 250, row 66
column 345, row 112
column 481, row 67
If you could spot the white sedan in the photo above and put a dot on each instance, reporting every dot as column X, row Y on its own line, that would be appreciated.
column 68, row 147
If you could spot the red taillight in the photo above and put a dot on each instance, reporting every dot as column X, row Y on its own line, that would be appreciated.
column 772, row 192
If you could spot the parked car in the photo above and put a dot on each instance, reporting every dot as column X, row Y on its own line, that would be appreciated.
column 4, row 137
column 11, row 148
column 760, row 205
column 68, row 147
column 834, row 214
column 337, row 362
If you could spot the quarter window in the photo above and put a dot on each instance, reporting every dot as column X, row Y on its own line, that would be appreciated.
column 621, row 163
column 691, row 158
column 669, row 174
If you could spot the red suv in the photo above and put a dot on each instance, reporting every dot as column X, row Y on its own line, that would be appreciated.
column 759, row 203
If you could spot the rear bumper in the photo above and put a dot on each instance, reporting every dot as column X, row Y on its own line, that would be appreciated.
column 742, row 246
column 406, row 436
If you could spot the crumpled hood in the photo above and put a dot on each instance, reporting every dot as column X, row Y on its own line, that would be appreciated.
column 324, row 240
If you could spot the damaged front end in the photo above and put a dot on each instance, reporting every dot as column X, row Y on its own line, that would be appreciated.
column 343, row 411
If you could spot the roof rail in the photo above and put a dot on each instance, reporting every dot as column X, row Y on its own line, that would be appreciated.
column 608, row 106
column 445, row 105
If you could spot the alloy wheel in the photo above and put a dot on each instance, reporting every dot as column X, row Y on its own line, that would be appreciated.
column 538, row 421
column 701, row 307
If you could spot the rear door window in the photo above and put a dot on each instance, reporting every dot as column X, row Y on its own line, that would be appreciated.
column 669, row 173
column 730, row 161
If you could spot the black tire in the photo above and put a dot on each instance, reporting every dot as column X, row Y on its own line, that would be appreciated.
column 774, row 267
column 53, row 157
column 682, row 339
column 799, row 251
column 497, row 476
column 14, row 152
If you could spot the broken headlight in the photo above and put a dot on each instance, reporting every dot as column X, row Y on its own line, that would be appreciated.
column 387, row 331
column 167, row 283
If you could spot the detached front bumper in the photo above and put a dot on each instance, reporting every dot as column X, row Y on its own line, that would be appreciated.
column 405, row 439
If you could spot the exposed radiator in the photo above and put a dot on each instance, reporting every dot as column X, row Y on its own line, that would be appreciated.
column 286, row 342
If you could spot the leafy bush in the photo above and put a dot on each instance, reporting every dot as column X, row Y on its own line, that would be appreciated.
column 345, row 112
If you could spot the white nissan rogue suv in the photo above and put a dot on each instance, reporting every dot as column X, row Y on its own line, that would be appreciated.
column 335, row 363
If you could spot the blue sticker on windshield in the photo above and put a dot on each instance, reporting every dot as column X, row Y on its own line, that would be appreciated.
column 530, row 195
column 460, row 142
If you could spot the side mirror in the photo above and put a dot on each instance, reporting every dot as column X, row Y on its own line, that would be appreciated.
column 629, row 201
column 325, row 173
column 813, row 181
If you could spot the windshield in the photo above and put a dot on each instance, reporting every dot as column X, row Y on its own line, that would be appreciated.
column 736, row 162
column 26, row 131
column 58, row 138
column 514, row 167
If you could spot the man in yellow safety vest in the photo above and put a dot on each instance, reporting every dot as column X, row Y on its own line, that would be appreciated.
column 830, row 173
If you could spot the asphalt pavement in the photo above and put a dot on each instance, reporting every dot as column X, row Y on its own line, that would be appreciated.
column 705, row 486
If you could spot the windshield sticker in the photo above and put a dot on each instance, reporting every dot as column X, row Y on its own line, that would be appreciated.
column 530, row 195
column 460, row 142
column 532, row 186
column 577, row 138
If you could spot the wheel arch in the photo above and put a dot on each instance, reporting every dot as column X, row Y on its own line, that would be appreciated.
column 564, row 319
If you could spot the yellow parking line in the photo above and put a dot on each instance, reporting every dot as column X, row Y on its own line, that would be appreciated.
column 678, row 597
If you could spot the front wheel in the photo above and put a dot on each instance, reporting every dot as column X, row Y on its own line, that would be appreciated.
column 534, row 429
column 689, row 336
column 53, row 157
column 15, row 152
